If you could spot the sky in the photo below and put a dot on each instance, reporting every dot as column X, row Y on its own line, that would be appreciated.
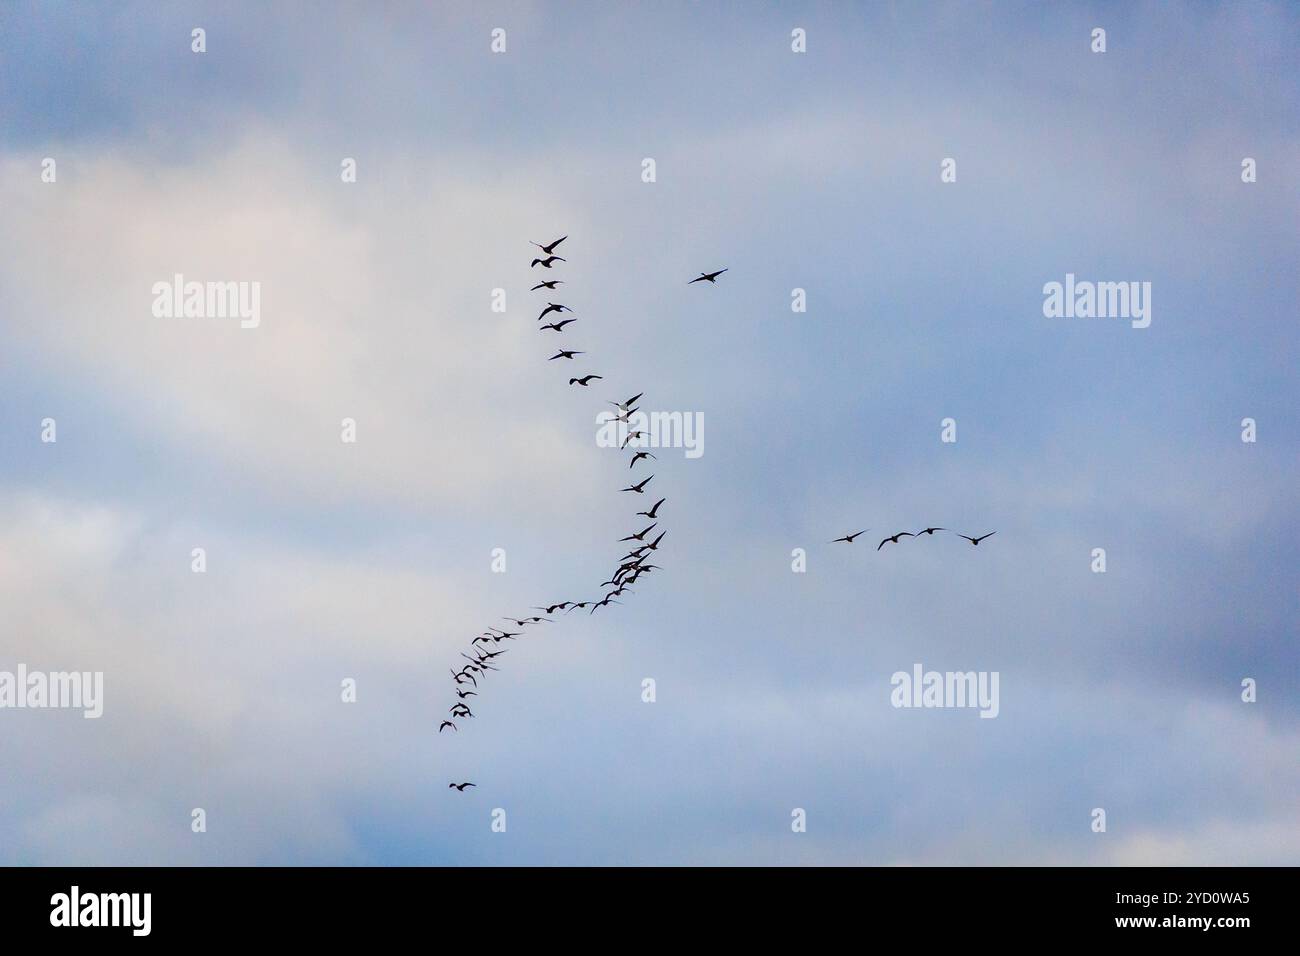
column 371, row 561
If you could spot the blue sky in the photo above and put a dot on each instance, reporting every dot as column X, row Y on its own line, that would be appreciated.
column 817, row 171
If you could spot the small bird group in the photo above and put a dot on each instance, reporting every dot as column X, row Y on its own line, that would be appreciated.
column 894, row 538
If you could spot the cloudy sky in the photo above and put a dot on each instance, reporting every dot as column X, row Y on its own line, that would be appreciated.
column 372, row 560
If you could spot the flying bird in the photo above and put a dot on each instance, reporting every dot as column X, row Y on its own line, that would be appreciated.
column 639, row 455
column 553, row 307
column 446, row 723
column 554, row 607
column 551, row 248
column 527, row 620
column 630, row 437
column 652, row 513
column 894, row 538
column 708, row 277
column 546, row 263
column 547, row 285
column 558, row 326
column 849, row 537
column 585, row 380
column 976, row 541
column 639, row 488
column 640, row 535
column 930, row 531
column 460, row 787
column 564, row 353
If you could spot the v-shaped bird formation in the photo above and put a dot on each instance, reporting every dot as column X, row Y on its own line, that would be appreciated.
column 485, row 649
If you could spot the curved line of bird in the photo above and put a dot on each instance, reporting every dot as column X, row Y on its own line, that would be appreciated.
column 485, row 647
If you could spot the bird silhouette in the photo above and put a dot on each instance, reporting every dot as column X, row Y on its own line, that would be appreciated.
column 849, row 537
column 639, row 488
column 639, row 455
column 460, row 787
column 564, row 354
column 894, row 538
column 640, row 535
column 708, row 277
column 445, row 724
column 546, row 263
column 585, row 380
column 551, row 284
column 653, row 512
column 553, row 307
column 930, row 531
column 551, row 248
column 558, row 326
column 976, row 541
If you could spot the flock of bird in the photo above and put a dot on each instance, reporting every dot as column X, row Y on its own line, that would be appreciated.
column 894, row 538
column 485, row 648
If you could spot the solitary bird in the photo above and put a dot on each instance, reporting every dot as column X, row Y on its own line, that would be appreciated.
column 895, row 538
column 565, row 354
column 639, row 455
column 558, row 326
column 585, row 380
column 546, row 263
column 976, row 541
column 849, row 537
column 639, row 488
column 707, row 277
column 460, row 787
column 444, row 725
column 930, row 531
column 553, row 307
column 551, row 248
column 547, row 285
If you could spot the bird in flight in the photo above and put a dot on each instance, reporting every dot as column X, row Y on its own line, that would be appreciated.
column 585, row 380
column 444, row 725
column 976, row 541
column 565, row 354
column 553, row 307
column 849, row 537
column 460, row 710
column 930, row 531
column 640, row 535
column 639, row 488
column 462, row 694
column 631, row 436
column 558, row 326
column 551, row 248
column 546, row 263
column 639, row 455
column 528, row 620
column 894, row 538
column 708, row 277
column 652, row 512
column 460, row 787
column 554, row 607
column 547, row 285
